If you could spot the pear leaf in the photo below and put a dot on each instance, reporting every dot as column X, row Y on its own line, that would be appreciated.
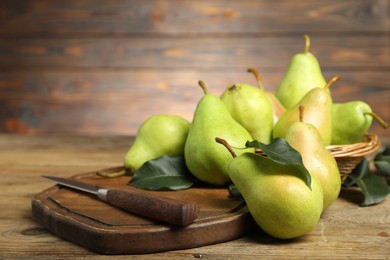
column 359, row 172
column 163, row 173
column 280, row 151
column 382, row 161
column 383, row 167
column 373, row 187
column 348, row 182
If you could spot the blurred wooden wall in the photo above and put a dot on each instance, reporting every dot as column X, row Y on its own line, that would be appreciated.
column 100, row 67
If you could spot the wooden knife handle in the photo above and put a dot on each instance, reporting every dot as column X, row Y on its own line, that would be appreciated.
column 164, row 209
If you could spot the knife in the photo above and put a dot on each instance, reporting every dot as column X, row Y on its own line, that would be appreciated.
column 172, row 211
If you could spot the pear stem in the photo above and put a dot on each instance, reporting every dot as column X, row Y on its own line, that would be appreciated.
column 301, row 112
column 307, row 43
column 331, row 81
column 377, row 118
column 227, row 145
column 203, row 86
column 257, row 76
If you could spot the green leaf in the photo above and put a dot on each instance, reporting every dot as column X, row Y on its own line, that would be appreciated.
column 281, row 152
column 348, row 182
column 383, row 167
column 163, row 173
column 382, row 161
column 359, row 172
column 373, row 187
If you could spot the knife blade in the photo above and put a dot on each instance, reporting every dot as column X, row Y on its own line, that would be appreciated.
column 171, row 211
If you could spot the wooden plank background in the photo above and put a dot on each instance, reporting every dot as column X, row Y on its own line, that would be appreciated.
column 100, row 67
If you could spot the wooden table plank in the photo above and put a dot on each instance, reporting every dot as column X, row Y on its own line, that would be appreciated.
column 175, row 17
column 212, row 52
column 345, row 230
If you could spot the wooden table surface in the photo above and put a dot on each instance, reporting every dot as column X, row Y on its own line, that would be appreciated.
column 344, row 231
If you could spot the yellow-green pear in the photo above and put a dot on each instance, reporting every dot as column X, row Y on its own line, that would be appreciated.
column 305, row 138
column 351, row 121
column 157, row 136
column 318, row 105
column 302, row 75
column 250, row 107
column 206, row 159
column 277, row 197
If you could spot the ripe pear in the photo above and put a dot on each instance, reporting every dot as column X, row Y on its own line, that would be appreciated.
column 277, row 196
column 318, row 105
column 304, row 138
column 302, row 75
column 351, row 121
column 157, row 136
column 250, row 107
column 206, row 159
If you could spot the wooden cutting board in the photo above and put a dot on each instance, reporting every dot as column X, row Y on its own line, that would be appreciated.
column 85, row 220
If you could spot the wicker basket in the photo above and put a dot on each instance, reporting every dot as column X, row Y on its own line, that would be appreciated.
column 349, row 156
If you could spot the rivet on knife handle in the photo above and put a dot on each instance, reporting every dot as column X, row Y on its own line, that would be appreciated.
column 164, row 209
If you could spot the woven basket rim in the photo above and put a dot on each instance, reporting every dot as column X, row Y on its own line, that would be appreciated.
column 370, row 143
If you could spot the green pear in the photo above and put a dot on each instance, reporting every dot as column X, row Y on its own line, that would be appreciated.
column 250, row 107
column 157, row 136
column 206, row 159
column 305, row 138
column 302, row 75
column 277, row 197
column 318, row 103
column 351, row 121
